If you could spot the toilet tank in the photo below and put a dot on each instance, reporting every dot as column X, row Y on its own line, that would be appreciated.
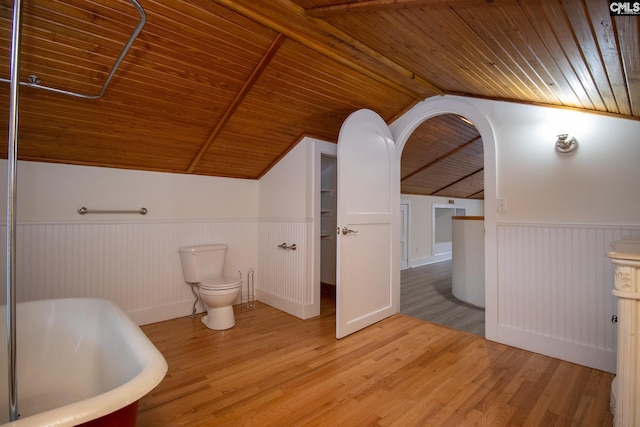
column 202, row 261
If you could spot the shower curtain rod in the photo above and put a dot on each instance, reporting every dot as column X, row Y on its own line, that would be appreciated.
column 12, row 160
column 34, row 82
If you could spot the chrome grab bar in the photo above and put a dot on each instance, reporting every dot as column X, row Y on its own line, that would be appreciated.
column 285, row 246
column 84, row 211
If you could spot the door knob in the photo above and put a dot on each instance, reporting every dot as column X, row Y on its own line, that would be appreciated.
column 346, row 231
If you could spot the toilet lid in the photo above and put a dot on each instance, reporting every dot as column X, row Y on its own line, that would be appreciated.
column 221, row 283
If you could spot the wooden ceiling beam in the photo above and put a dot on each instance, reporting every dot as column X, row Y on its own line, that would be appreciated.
column 382, row 5
column 255, row 74
column 441, row 158
column 471, row 196
column 457, row 181
column 291, row 20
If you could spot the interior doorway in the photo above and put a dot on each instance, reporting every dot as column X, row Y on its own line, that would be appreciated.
column 362, row 129
column 442, row 171
column 328, row 205
column 442, row 227
column 401, row 131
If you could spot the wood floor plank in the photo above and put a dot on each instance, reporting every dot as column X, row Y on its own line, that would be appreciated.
column 273, row 369
column 425, row 293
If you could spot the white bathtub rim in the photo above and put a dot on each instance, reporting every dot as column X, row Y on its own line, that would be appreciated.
column 117, row 398
column 88, row 409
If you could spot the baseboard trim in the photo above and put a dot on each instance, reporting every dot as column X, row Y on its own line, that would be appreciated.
column 419, row 262
column 587, row 356
column 146, row 316
column 302, row 311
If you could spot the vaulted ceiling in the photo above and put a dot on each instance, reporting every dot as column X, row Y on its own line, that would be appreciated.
column 227, row 87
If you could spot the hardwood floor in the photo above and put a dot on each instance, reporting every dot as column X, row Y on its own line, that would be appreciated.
column 425, row 293
column 273, row 369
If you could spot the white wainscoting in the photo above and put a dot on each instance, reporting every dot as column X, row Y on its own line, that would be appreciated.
column 555, row 285
column 135, row 264
column 286, row 281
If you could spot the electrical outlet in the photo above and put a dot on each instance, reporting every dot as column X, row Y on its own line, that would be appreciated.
column 502, row 204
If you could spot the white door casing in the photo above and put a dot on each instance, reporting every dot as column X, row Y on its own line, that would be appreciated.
column 404, row 234
column 367, row 267
column 402, row 129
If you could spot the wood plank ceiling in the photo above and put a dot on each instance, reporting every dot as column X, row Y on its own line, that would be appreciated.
column 227, row 87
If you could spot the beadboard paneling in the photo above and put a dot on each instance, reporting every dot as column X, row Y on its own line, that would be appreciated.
column 554, row 290
column 285, row 275
column 135, row 264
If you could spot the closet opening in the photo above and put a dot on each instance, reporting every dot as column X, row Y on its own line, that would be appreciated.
column 328, row 222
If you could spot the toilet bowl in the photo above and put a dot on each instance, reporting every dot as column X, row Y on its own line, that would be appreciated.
column 203, row 266
column 218, row 296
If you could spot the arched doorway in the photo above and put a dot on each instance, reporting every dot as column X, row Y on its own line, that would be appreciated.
column 402, row 129
column 442, row 187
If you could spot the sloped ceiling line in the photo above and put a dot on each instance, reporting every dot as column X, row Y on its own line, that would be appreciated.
column 475, row 195
column 246, row 88
column 378, row 5
column 326, row 39
column 457, row 181
column 441, row 158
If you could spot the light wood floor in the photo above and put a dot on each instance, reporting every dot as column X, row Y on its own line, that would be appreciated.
column 426, row 294
column 273, row 369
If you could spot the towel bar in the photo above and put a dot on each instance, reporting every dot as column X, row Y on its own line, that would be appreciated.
column 84, row 211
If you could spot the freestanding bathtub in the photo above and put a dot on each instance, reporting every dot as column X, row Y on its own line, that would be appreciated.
column 79, row 360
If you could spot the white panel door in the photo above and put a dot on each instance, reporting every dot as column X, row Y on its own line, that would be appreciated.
column 368, row 273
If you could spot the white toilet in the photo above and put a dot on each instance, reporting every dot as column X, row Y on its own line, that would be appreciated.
column 203, row 265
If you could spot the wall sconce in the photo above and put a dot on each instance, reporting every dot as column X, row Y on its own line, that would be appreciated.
column 566, row 143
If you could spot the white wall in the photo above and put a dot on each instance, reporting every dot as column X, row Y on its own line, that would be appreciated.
column 549, row 282
column 284, row 218
column 284, row 190
column 54, row 192
column 128, row 258
column 421, row 221
column 133, row 259
column 563, row 211
column 289, row 209
column 597, row 184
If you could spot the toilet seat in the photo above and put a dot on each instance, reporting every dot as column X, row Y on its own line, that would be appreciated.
column 220, row 283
